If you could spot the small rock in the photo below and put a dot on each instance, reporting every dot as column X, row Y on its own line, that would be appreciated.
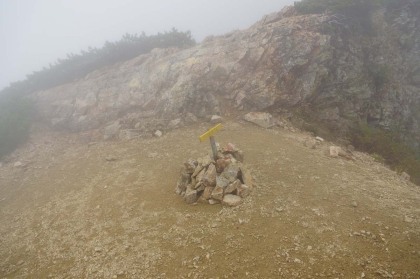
column 354, row 203
column 231, row 172
column 408, row 219
column 158, row 133
column 279, row 209
column 221, row 164
column 110, row 159
column 182, row 183
column 18, row 164
column 207, row 193
column 190, row 166
column 216, row 119
column 335, row 151
column 98, row 249
column 212, row 201
column 152, row 155
column 319, row 139
column 231, row 200
column 222, row 182
column 217, row 193
column 190, row 196
column 197, row 170
column 205, row 161
column 311, row 143
column 247, row 178
column 243, row 191
column 209, row 178
column 405, row 176
column 232, row 187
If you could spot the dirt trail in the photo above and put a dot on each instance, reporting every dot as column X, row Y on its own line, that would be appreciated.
column 72, row 214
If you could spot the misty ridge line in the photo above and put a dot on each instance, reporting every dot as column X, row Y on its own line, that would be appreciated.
column 76, row 66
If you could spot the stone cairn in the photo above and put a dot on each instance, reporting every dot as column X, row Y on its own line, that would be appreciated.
column 224, row 180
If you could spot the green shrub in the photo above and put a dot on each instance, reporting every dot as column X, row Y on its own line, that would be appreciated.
column 380, row 75
column 387, row 145
column 15, row 122
column 76, row 66
column 351, row 13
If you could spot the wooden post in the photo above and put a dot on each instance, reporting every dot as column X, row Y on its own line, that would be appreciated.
column 209, row 134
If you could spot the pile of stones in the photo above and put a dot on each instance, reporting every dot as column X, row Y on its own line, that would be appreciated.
column 221, row 180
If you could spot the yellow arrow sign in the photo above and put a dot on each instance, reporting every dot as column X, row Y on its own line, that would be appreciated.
column 210, row 132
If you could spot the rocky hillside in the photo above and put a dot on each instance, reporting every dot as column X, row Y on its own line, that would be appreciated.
column 313, row 63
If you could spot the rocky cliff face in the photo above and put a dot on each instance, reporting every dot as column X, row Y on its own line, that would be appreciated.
column 285, row 61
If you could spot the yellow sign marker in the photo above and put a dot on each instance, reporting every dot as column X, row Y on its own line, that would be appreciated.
column 210, row 132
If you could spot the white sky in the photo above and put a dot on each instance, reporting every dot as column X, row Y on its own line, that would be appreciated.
column 35, row 33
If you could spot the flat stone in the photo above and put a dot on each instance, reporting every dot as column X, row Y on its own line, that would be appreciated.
column 207, row 193
column 247, row 178
column 217, row 193
column 205, row 161
column 190, row 166
column 18, row 164
column 197, row 170
column 405, row 176
column 110, row 159
column 200, row 176
column 216, row 119
column 232, row 187
column 243, row 190
column 334, row 151
column 212, row 201
column 209, row 178
column 222, row 182
column 231, row 173
column 221, row 164
column 231, row 200
column 199, row 187
column 262, row 119
column 311, row 143
column 182, row 183
column 190, row 196
column 158, row 133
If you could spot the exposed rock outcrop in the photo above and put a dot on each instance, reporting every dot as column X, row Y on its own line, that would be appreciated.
column 284, row 61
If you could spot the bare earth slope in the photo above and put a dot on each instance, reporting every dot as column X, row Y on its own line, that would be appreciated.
column 70, row 213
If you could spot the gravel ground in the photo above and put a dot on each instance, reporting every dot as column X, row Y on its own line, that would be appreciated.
column 108, row 210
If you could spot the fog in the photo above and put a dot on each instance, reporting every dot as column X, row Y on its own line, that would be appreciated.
column 37, row 32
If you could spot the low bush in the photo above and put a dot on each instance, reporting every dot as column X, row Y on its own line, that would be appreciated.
column 15, row 122
column 387, row 145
